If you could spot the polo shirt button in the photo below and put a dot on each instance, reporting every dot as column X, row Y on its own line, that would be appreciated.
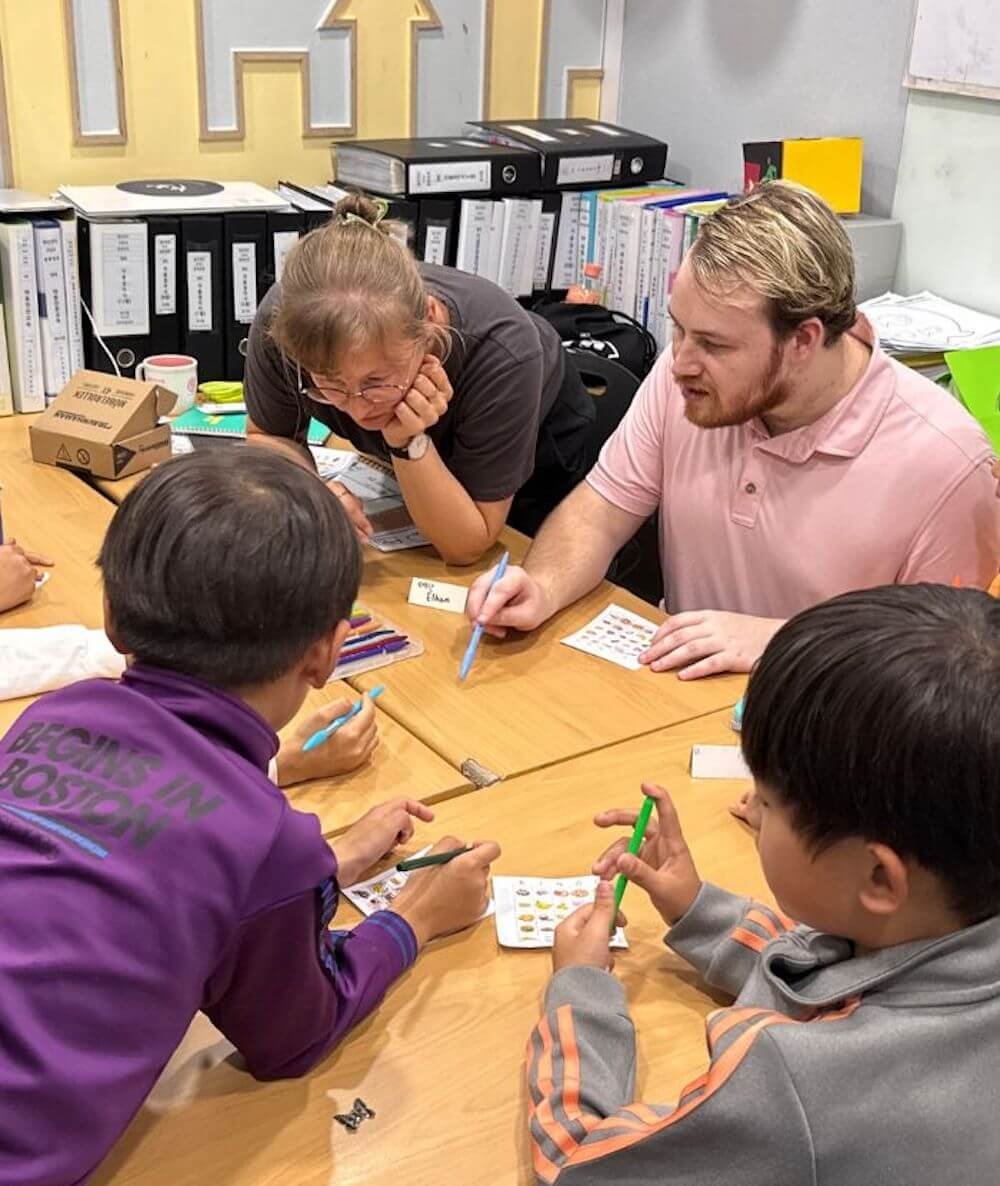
column 750, row 488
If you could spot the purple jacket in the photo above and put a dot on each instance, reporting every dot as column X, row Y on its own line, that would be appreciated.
column 149, row 869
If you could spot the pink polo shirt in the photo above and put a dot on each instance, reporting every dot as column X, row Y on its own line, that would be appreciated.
column 891, row 486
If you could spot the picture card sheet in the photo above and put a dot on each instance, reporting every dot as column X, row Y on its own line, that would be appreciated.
column 617, row 635
column 393, row 530
column 380, row 891
column 530, row 908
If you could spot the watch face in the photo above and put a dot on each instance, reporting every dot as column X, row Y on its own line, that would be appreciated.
column 418, row 446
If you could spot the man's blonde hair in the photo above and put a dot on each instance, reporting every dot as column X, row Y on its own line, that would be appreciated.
column 349, row 285
column 785, row 243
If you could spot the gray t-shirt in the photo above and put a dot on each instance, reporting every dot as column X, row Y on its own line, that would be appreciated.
column 506, row 368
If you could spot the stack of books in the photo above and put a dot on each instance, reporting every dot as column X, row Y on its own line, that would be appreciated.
column 40, row 331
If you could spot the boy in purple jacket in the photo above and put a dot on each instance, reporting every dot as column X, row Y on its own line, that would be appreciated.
column 149, row 867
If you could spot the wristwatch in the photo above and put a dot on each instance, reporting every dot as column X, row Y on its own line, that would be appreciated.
column 414, row 448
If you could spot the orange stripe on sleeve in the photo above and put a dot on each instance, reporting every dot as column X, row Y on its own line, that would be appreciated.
column 729, row 1019
column 543, row 1111
column 749, row 939
column 764, row 921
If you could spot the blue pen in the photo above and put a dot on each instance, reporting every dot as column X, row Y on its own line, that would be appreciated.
column 323, row 734
column 477, row 630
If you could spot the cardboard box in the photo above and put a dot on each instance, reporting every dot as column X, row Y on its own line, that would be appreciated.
column 831, row 166
column 104, row 426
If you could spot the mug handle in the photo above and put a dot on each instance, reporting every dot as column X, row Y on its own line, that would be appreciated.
column 140, row 371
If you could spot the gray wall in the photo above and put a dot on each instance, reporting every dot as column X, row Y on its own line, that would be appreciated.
column 706, row 75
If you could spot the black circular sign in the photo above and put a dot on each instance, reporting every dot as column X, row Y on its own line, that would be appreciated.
column 171, row 187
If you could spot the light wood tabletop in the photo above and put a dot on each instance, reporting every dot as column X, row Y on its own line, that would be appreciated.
column 528, row 700
column 442, row 1061
column 400, row 765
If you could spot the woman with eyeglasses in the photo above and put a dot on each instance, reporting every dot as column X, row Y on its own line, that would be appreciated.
column 467, row 394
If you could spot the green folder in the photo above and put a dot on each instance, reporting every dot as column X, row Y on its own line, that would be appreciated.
column 976, row 376
column 195, row 422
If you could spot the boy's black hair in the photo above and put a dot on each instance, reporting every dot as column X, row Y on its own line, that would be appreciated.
column 228, row 565
column 877, row 714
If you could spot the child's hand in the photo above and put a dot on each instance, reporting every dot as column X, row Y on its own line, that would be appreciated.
column 18, row 574
column 376, row 834
column 446, row 898
column 747, row 808
column 663, row 866
column 582, row 938
column 352, row 745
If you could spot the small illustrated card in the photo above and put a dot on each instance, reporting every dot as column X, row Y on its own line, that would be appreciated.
column 379, row 892
column 617, row 635
column 718, row 761
column 438, row 595
column 530, row 908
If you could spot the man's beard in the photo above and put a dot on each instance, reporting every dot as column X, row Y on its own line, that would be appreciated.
column 706, row 412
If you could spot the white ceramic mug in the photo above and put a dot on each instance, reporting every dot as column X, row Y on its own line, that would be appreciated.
column 178, row 372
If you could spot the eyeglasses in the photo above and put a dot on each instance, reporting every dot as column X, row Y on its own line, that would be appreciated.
column 378, row 394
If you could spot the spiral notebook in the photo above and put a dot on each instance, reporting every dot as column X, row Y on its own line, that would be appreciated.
column 195, row 422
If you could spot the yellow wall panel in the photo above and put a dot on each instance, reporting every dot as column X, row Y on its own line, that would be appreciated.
column 585, row 95
column 516, row 60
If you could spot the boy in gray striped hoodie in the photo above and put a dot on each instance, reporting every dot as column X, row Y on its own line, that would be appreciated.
column 863, row 1046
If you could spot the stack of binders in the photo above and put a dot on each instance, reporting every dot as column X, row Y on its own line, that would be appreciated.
column 177, row 268
column 40, row 332
column 491, row 203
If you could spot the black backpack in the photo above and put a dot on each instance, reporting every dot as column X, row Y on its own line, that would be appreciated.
column 604, row 332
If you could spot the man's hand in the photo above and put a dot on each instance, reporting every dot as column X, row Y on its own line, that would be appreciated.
column 352, row 508
column 516, row 602
column 375, row 835
column 423, row 405
column 581, row 939
column 996, row 474
column 18, row 574
column 663, row 866
column 709, row 642
column 350, row 747
column 446, row 898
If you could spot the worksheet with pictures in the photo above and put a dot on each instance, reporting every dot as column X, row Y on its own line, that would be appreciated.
column 380, row 891
column 615, row 634
column 528, row 909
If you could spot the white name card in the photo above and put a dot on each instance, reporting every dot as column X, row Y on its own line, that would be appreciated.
column 438, row 595
column 718, row 761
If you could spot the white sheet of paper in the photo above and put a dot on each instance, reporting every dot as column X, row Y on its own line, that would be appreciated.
column 379, row 493
column 530, row 908
column 617, row 635
column 438, row 595
column 718, row 761
column 379, row 892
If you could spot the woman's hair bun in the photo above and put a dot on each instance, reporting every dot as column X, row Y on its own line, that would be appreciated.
column 359, row 207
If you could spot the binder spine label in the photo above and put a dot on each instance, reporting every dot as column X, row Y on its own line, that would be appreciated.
column 165, row 249
column 125, row 280
column 284, row 241
column 543, row 252
column 578, row 170
column 450, row 177
column 436, row 245
column 199, row 291
column 244, row 282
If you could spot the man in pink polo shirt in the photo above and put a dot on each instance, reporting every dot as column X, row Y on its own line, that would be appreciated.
column 789, row 457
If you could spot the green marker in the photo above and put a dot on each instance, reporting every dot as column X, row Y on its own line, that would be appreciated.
column 434, row 858
column 638, row 835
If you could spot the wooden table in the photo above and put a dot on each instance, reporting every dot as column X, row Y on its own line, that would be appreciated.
column 529, row 701
column 442, row 1062
column 401, row 765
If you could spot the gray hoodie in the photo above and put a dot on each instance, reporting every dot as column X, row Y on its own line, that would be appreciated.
column 830, row 1068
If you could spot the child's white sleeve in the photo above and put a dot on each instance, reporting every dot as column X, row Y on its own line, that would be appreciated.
column 51, row 657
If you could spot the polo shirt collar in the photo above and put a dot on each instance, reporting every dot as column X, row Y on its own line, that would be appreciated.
column 851, row 423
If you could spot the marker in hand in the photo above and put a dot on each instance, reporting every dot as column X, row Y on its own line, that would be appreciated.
column 638, row 835
column 323, row 734
column 477, row 630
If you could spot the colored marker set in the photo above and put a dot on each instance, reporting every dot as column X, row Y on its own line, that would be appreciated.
column 372, row 642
